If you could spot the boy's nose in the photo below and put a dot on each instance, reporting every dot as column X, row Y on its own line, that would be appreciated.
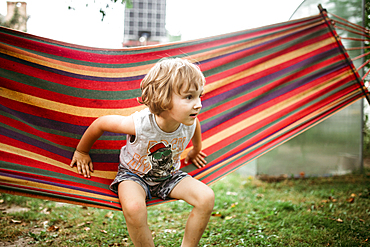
column 198, row 104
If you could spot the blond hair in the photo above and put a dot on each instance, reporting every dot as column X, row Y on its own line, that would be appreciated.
column 167, row 76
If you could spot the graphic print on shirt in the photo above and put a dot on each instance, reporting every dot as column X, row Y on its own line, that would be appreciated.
column 160, row 157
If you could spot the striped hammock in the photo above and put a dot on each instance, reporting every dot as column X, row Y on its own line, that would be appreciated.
column 264, row 86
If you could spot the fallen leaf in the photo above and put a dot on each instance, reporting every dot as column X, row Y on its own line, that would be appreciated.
column 351, row 200
column 362, row 220
column 87, row 229
column 260, row 195
column 16, row 221
column 104, row 231
column 231, row 193
column 53, row 228
column 230, row 217
column 353, row 195
column 339, row 220
column 81, row 224
column 216, row 214
column 45, row 211
column 45, row 223
column 109, row 215
column 234, row 205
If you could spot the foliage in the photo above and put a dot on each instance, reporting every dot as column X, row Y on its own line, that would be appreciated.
column 330, row 211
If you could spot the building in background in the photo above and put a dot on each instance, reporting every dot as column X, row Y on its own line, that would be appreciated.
column 16, row 17
column 145, row 23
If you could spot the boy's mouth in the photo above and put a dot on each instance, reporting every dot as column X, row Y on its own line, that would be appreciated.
column 193, row 115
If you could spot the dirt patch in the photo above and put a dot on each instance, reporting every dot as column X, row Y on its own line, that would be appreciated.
column 20, row 242
column 14, row 209
column 367, row 162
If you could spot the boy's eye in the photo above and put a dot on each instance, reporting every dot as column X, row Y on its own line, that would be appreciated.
column 189, row 97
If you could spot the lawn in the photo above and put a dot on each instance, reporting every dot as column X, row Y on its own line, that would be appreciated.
column 330, row 211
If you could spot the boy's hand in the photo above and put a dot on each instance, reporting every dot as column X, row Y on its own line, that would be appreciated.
column 83, row 163
column 197, row 158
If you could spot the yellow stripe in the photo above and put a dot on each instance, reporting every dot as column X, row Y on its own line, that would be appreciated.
column 64, row 108
column 32, row 184
column 34, row 156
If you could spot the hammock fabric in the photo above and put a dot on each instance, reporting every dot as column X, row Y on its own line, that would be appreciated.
column 264, row 86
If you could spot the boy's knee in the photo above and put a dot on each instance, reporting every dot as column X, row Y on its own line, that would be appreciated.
column 207, row 200
column 133, row 210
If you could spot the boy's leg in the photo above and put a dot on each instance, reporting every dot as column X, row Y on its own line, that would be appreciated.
column 202, row 198
column 132, row 198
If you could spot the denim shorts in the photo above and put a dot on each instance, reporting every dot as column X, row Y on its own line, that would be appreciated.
column 161, row 190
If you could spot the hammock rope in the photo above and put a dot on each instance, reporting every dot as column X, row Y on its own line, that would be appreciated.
column 263, row 87
column 358, row 30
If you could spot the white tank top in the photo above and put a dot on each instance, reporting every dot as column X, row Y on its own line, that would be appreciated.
column 154, row 154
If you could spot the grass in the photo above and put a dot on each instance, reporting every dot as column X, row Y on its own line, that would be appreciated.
column 332, row 211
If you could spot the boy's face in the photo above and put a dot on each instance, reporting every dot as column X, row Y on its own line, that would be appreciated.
column 186, row 106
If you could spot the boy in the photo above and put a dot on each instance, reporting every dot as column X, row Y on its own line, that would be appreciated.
column 150, row 160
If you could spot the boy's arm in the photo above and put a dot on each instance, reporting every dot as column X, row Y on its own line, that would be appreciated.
column 112, row 123
column 196, row 155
